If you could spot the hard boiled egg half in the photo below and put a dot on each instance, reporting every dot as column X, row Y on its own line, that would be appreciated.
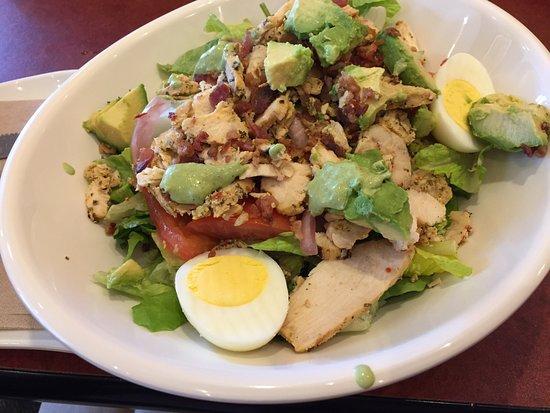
column 462, row 80
column 237, row 299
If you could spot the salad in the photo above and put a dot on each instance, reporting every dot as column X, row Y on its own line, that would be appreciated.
column 293, row 177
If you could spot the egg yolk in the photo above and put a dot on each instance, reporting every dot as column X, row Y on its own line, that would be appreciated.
column 458, row 97
column 227, row 280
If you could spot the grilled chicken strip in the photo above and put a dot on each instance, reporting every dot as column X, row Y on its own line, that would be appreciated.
column 337, row 291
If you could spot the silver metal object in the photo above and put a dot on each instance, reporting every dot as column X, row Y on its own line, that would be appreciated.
column 6, row 143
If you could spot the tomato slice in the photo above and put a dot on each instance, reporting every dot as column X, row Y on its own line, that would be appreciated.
column 175, row 232
column 257, row 228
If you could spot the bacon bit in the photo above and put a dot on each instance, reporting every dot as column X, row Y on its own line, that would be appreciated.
column 328, row 140
column 200, row 140
column 255, row 130
column 261, row 98
column 393, row 32
column 209, row 78
column 254, row 211
column 212, row 253
column 212, row 151
column 144, row 159
column 110, row 229
column 220, row 93
column 368, row 55
column 186, row 152
column 545, row 127
column 105, row 149
column 341, row 3
column 172, row 116
column 241, row 107
column 266, row 204
column 246, row 45
column 307, row 240
column 388, row 269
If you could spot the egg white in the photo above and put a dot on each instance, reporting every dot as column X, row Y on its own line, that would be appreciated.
column 465, row 67
column 239, row 328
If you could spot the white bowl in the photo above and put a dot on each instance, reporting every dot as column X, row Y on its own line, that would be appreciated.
column 43, row 220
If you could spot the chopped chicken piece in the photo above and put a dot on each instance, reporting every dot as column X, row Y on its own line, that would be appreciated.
column 460, row 228
column 345, row 234
column 280, row 109
column 150, row 177
column 335, row 292
column 435, row 185
column 312, row 85
column 426, row 209
column 234, row 71
column 393, row 149
column 428, row 234
column 329, row 251
column 336, row 131
column 101, row 178
column 173, row 208
column 179, row 86
column 223, row 200
column 183, row 111
column 407, row 35
column 290, row 193
column 398, row 122
column 201, row 102
column 164, row 147
column 216, row 124
column 255, row 74
column 263, row 169
column 320, row 155
column 272, row 27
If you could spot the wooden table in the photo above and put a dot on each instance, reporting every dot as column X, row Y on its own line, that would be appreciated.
column 511, row 367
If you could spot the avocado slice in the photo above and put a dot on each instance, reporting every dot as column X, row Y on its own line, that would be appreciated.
column 508, row 123
column 114, row 124
column 287, row 65
column 401, row 60
column 423, row 122
column 330, row 30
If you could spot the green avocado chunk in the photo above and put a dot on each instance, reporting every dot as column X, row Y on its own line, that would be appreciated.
column 366, row 77
column 287, row 65
column 191, row 183
column 330, row 30
column 508, row 123
column 114, row 123
column 400, row 59
column 423, row 122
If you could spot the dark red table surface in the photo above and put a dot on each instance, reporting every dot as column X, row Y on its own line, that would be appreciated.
column 509, row 367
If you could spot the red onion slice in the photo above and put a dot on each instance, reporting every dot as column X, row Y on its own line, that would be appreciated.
column 298, row 133
column 307, row 240
column 154, row 120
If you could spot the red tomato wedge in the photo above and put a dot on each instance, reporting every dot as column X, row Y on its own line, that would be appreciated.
column 257, row 228
column 175, row 232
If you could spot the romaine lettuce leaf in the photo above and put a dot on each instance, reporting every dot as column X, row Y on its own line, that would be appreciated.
column 122, row 163
column 391, row 6
column 285, row 242
column 185, row 64
column 405, row 285
column 464, row 170
column 126, row 208
column 160, row 312
column 229, row 32
column 437, row 258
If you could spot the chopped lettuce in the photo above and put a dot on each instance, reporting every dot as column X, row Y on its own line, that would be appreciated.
column 406, row 285
column 465, row 171
column 126, row 208
column 185, row 64
column 121, row 163
column 134, row 230
column 229, row 32
column 285, row 242
column 134, row 239
column 159, row 308
column 121, row 193
column 160, row 312
column 392, row 6
column 437, row 258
